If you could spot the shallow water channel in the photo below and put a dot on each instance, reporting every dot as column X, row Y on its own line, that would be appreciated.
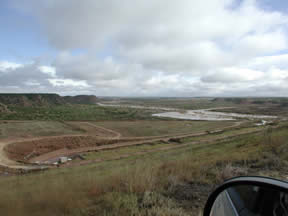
column 201, row 115
column 205, row 115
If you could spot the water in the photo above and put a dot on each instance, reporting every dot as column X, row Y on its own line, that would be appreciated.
column 203, row 114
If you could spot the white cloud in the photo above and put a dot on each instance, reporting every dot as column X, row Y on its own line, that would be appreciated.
column 163, row 47
column 6, row 65
column 32, row 77
column 233, row 75
column 48, row 70
column 263, row 62
column 278, row 74
column 68, row 82
column 262, row 43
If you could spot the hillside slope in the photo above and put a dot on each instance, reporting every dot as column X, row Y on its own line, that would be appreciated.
column 27, row 100
column 31, row 99
column 81, row 99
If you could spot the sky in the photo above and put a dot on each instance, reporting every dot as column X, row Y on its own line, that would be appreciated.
column 187, row 48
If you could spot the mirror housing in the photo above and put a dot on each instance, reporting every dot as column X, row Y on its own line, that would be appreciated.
column 268, row 184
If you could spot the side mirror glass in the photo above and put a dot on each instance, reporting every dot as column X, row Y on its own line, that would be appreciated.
column 257, row 197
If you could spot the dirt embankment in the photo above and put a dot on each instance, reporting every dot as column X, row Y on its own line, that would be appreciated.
column 23, row 151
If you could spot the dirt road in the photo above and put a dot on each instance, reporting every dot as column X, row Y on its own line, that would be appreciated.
column 52, row 156
column 116, row 135
column 5, row 161
column 120, row 142
column 165, row 148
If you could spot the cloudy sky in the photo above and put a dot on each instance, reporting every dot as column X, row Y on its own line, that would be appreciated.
column 145, row 47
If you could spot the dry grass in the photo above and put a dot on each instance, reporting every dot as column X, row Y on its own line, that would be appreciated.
column 230, row 171
column 13, row 129
column 158, row 128
column 143, row 185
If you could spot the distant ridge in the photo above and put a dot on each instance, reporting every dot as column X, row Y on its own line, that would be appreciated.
column 28, row 100
column 81, row 99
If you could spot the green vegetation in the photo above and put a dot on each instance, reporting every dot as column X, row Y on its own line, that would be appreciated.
column 173, row 182
column 264, row 109
column 179, row 103
column 74, row 112
column 106, row 155
column 265, row 106
column 159, row 128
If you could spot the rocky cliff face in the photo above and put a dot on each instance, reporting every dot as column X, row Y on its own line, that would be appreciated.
column 31, row 99
column 27, row 100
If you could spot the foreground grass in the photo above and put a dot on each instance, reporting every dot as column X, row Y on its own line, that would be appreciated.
column 174, row 182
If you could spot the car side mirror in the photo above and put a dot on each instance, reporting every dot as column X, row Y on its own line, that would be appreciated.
column 249, row 196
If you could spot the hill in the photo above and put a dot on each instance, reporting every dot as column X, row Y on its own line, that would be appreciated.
column 81, row 99
column 28, row 100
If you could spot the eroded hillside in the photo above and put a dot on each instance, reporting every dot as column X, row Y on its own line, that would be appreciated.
column 28, row 100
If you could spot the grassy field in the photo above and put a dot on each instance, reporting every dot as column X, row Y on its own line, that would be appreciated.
column 23, row 129
column 158, row 128
column 174, row 182
column 106, row 155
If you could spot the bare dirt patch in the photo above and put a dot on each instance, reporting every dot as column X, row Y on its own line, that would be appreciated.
column 23, row 151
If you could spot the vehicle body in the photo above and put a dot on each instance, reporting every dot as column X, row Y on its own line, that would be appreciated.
column 249, row 196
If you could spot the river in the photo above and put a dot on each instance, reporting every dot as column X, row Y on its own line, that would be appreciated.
column 201, row 114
